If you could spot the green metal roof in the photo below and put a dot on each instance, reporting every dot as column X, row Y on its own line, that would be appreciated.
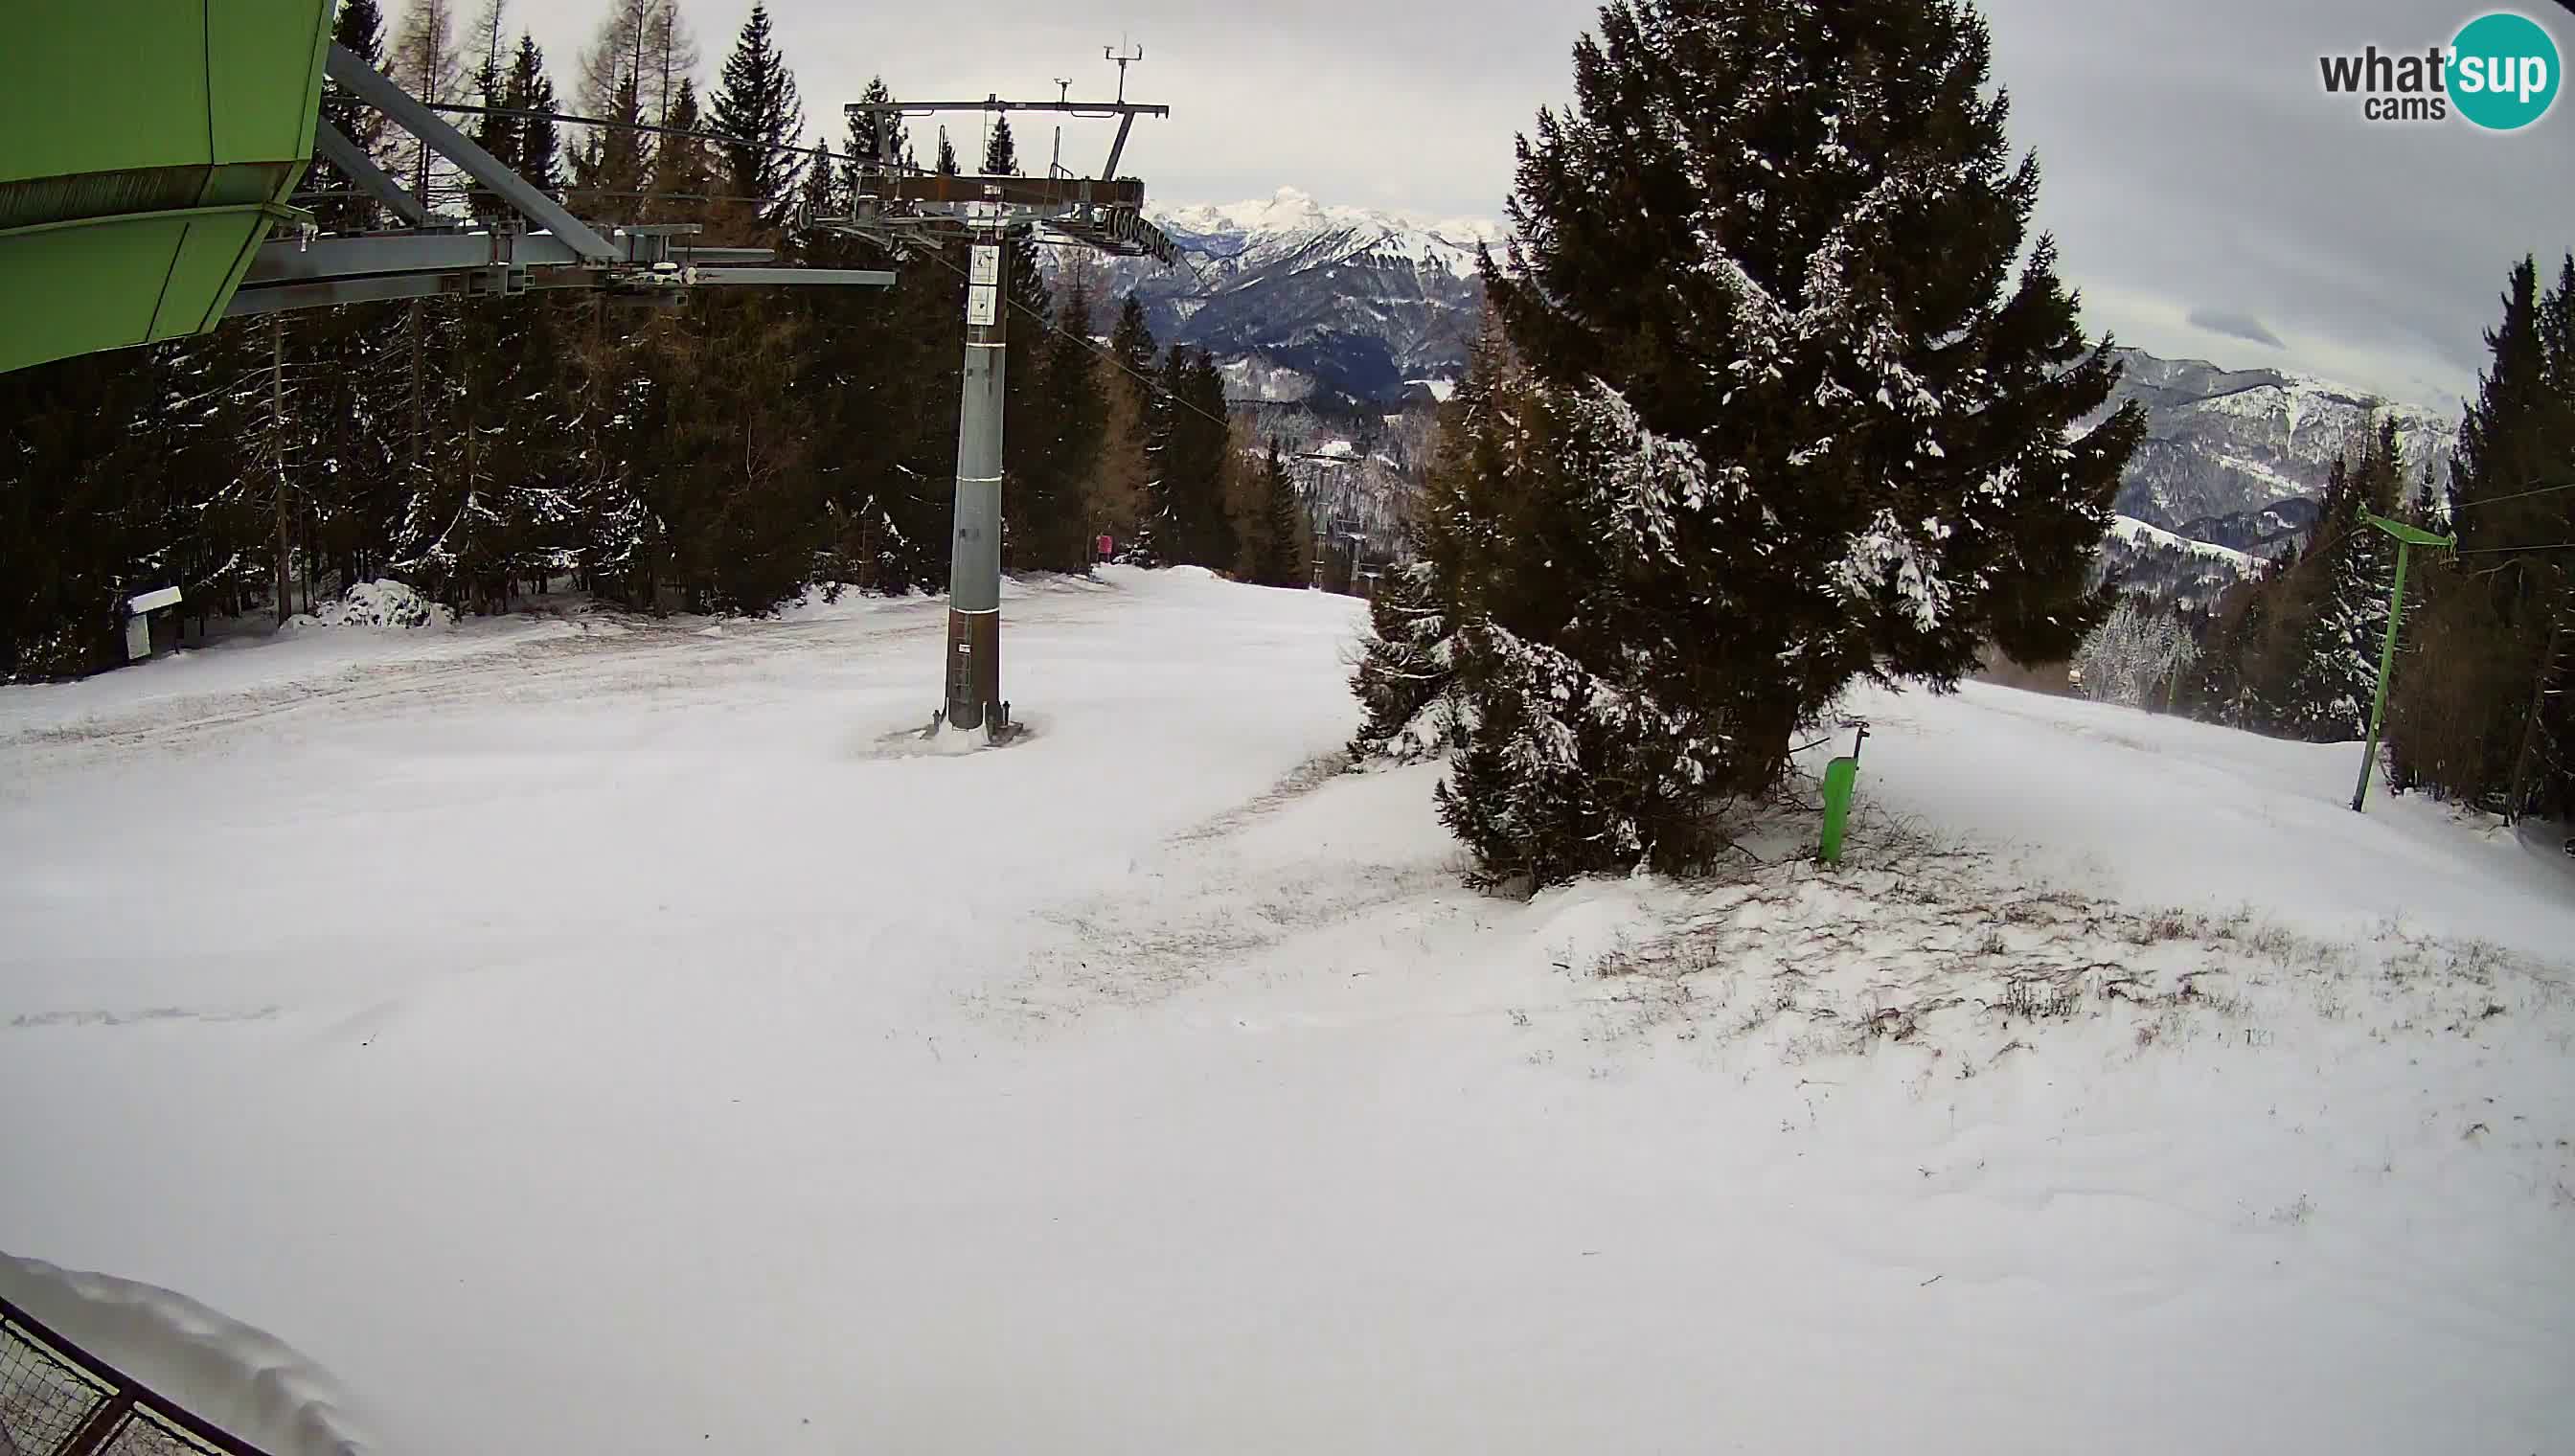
column 145, row 150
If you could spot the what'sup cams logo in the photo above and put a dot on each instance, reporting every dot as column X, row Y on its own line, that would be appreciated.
column 2500, row 72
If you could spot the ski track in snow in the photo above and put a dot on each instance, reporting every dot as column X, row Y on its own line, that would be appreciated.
column 1305, row 778
column 609, row 1041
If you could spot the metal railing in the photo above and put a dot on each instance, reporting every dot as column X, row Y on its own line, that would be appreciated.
column 57, row 1399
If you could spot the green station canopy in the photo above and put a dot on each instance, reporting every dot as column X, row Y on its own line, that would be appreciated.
column 145, row 150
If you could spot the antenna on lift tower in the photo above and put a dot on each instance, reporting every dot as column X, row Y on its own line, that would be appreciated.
column 1109, row 54
column 1062, row 94
column 903, row 211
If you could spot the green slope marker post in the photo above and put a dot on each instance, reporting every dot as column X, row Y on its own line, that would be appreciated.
column 1841, row 777
column 2407, row 537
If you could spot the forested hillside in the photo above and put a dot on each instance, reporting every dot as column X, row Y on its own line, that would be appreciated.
column 709, row 448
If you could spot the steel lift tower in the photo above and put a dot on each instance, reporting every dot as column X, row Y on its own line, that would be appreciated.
column 905, row 212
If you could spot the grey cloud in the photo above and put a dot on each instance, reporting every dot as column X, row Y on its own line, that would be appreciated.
column 2236, row 326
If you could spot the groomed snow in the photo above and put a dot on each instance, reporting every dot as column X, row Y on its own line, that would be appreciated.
column 636, row 1043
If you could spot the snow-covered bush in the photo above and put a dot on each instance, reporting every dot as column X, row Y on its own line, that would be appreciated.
column 384, row 603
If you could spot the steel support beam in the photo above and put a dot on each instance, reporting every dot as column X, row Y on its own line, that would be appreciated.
column 845, row 277
column 287, row 259
column 1095, row 109
column 371, row 87
column 250, row 300
column 361, row 254
column 1118, row 148
column 352, row 159
column 1016, row 192
column 491, row 279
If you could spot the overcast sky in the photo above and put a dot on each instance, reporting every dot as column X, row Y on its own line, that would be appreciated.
column 2209, row 198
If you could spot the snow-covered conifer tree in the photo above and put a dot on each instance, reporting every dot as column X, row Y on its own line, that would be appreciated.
column 1821, row 412
column 2353, row 565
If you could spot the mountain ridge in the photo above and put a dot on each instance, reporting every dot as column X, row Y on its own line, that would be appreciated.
column 1352, row 309
column 1304, row 301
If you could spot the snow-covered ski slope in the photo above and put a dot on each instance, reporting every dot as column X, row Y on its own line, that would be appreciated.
column 586, row 1041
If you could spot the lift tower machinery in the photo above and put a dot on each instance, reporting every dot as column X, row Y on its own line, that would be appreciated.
column 148, row 165
column 905, row 212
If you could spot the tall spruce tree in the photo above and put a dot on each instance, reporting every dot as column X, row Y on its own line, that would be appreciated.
column 1210, row 424
column 820, row 195
column 494, row 130
column 873, row 138
column 538, row 155
column 758, row 108
column 2479, row 712
column 908, row 506
column 1130, row 343
column 1042, row 503
column 1000, row 150
column 2350, row 568
column 1813, row 427
column 1122, row 492
column 1278, row 527
column 2543, row 780
column 684, row 178
column 1076, row 417
column 1191, row 522
column 609, row 170
column 518, row 436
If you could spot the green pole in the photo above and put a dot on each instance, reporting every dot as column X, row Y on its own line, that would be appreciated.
column 1841, row 777
column 2386, row 663
column 2407, row 537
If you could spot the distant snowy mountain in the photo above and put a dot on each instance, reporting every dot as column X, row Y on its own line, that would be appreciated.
column 2171, row 567
column 1302, row 301
column 2231, row 455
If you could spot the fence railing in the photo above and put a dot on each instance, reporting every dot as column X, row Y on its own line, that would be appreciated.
column 57, row 1399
